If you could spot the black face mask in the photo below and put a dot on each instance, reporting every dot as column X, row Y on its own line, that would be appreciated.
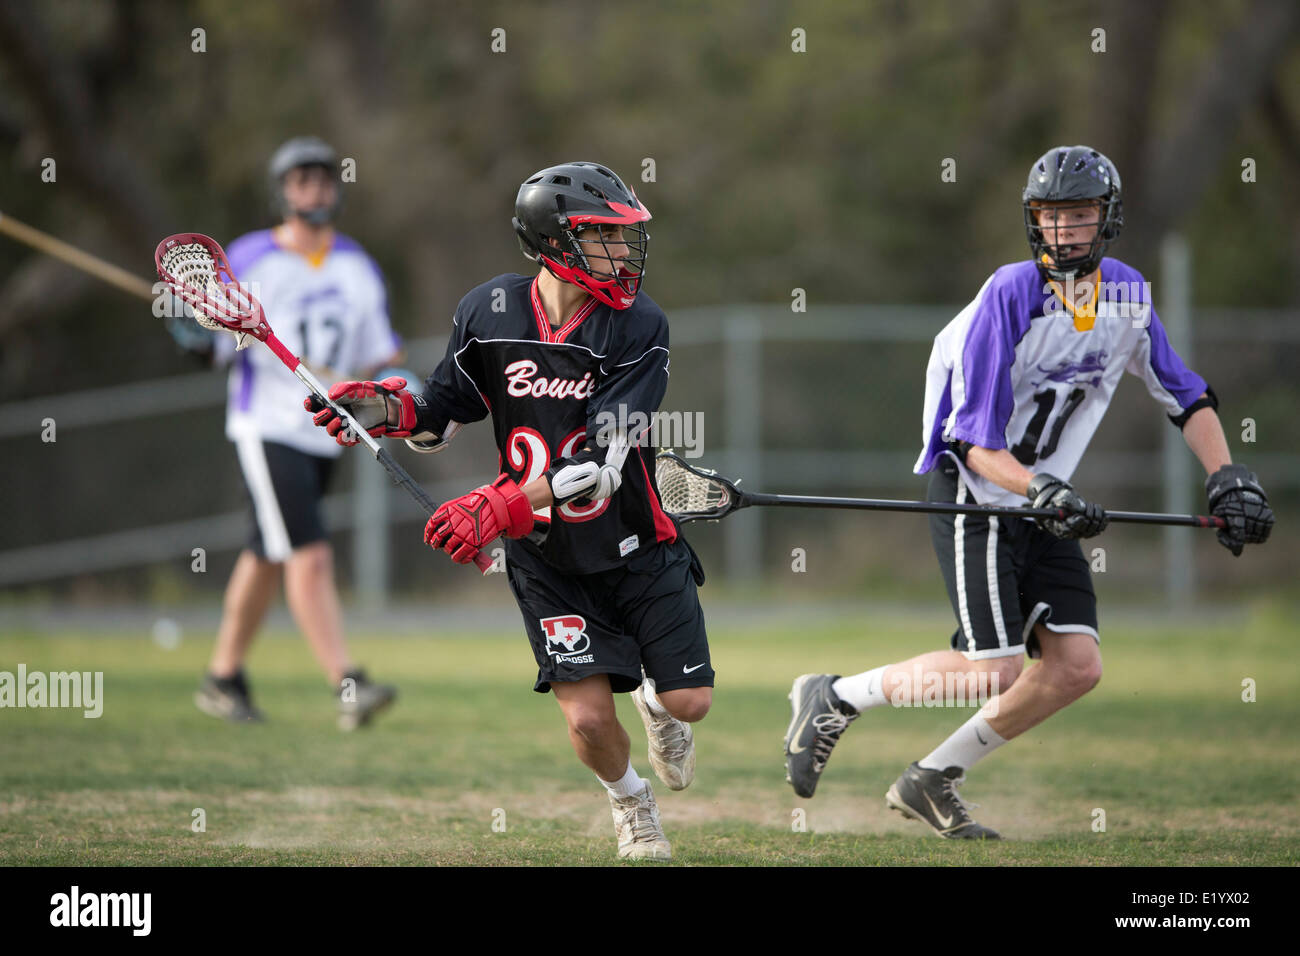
column 314, row 217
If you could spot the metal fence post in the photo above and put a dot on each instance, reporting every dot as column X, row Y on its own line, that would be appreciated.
column 370, row 536
column 1176, row 316
column 742, row 337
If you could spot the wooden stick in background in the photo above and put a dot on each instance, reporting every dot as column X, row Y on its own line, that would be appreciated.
column 105, row 271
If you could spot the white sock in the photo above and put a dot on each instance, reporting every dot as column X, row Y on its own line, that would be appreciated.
column 864, row 690
column 970, row 743
column 629, row 785
column 652, row 699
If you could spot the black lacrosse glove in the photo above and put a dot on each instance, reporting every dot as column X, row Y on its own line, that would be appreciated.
column 1236, row 497
column 188, row 335
column 1080, row 519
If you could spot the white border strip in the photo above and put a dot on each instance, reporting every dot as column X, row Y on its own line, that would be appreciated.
column 959, row 545
column 991, row 572
column 275, row 537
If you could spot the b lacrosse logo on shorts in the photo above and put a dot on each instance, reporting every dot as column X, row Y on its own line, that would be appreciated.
column 566, row 638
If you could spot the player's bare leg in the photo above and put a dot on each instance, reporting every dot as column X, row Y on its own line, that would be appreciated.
column 899, row 686
column 252, row 585
column 603, row 745
column 224, row 692
column 1069, row 668
column 314, row 601
column 687, row 704
column 667, row 717
column 597, row 737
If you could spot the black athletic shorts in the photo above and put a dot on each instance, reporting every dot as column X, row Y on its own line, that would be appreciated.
column 645, row 613
column 285, row 487
column 1006, row 574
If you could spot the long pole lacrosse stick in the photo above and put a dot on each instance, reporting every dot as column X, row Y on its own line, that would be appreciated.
column 195, row 269
column 95, row 266
column 697, row 494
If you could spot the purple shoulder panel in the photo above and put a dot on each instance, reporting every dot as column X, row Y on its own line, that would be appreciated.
column 1170, row 370
column 1177, row 379
column 344, row 243
column 247, row 249
column 1002, row 316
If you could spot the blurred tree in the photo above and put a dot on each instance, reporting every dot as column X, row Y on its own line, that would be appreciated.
column 774, row 168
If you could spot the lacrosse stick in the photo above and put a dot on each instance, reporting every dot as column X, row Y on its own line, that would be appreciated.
column 95, row 266
column 693, row 494
column 195, row 269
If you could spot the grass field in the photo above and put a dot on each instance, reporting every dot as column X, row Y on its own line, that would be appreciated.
column 1186, row 772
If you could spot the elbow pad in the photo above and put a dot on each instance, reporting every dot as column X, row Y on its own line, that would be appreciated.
column 1209, row 401
column 426, row 442
column 589, row 474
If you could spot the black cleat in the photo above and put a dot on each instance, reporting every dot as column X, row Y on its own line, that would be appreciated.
column 360, row 700
column 819, row 719
column 227, row 698
column 931, row 797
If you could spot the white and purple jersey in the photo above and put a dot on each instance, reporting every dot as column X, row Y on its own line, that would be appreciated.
column 1016, row 370
column 332, row 313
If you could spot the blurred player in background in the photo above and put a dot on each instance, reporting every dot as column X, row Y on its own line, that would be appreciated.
column 1016, row 386
column 329, row 303
column 607, row 587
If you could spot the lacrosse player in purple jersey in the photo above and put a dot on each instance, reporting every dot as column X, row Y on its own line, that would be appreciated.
column 1016, row 386
column 329, row 302
column 563, row 361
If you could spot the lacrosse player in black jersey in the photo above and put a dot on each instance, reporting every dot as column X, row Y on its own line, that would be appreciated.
column 563, row 361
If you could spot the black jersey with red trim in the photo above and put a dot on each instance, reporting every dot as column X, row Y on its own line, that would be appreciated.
column 550, row 391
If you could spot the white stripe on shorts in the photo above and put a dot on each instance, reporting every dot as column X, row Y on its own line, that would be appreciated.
column 959, row 545
column 991, row 572
column 275, row 536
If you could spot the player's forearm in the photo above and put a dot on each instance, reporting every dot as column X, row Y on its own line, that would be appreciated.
column 1203, row 433
column 999, row 467
column 538, row 492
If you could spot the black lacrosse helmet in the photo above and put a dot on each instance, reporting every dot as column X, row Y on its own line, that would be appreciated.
column 560, row 201
column 303, row 151
column 1076, row 174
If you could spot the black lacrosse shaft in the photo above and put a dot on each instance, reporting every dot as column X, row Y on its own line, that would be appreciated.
column 404, row 480
column 943, row 507
column 400, row 477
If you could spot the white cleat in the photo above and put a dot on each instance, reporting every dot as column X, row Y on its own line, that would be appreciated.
column 636, row 824
column 672, row 743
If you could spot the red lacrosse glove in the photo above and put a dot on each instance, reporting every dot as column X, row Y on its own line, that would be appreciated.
column 464, row 525
column 368, row 404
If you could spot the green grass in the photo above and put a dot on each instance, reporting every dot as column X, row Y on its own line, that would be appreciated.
column 1186, row 772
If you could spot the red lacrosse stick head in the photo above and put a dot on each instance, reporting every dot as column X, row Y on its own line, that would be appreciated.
column 195, row 268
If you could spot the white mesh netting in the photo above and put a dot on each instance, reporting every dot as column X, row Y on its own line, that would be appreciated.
column 683, row 492
column 192, row 266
